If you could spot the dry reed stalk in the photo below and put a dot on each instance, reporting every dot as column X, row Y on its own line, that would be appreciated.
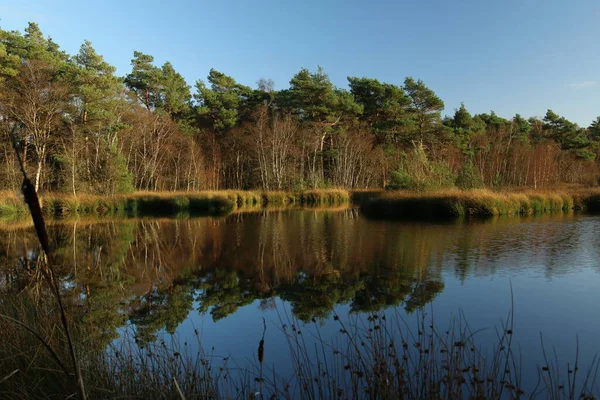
column 33, row 203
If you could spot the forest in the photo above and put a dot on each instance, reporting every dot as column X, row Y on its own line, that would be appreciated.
column 80, row 128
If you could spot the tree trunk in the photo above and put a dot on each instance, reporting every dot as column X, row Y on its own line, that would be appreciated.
column 38, row 174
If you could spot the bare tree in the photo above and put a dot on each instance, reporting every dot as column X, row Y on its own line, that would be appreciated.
column 275, row 146
column 38, row 101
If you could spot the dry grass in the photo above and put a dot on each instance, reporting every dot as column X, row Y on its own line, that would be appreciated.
column 172, row 204
column 480, row 202
column 394, row 204
column 12, row 206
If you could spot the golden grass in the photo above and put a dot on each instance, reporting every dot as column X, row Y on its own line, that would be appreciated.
column 391, row 204
column 479, row 202
column 141, row 204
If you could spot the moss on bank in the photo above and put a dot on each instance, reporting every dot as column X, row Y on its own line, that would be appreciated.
column 481, row 203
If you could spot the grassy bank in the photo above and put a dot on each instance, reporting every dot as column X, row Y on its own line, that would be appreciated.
column 374, row 204
column 484, row 203
column 141, row 204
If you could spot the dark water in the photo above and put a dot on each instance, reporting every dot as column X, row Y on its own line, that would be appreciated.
column 221, row 277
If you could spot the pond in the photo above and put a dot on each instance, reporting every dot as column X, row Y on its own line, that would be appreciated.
column 220, row 284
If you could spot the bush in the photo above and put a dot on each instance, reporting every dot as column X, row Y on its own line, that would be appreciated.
column 418, row 173
column 399, row 179
column 469, row 177
column 122, row 179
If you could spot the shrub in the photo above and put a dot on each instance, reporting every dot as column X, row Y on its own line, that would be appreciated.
column 399, row 179
column 418, row 173
column 469, row 177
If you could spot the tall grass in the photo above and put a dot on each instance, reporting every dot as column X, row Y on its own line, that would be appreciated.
column 378, row 356
column 480, row 202
column 392, row 204
column 12, row 207
column 35, row 348
column 172, row 204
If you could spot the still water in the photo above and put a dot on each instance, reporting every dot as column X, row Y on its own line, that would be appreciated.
column 221, row 276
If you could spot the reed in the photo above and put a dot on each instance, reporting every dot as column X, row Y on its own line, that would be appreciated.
column 376, row 204
column 47, row 271
column 21, row 351
column 480, row 202
column 380, row 355
column 171, row 204
column 12, row 207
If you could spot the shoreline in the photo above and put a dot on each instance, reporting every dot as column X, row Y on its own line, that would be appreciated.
column 166, row 204
column 426, row 205
column 450, row 204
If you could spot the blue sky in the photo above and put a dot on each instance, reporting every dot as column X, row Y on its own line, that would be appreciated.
column 508, row 56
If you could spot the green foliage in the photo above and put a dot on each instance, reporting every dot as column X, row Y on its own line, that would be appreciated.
column 314, row 98
column 158, row 88
column 425, row 107
column 565, row 132
column 224, row 103
column 175, row 94
column 30, row 46
column 464, row 126
column 521, row 128
column 9, row 63
column 144, row 79
column 13, row 210
column 419, row 173
column 594, row 130
column 493, row 121
column 400, row 180
column 469, row 177
column 96, row 88
column 121, row 178
column 463, row 121
column 385, row 107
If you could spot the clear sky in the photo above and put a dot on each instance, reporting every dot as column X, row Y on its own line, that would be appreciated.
column 504, row 55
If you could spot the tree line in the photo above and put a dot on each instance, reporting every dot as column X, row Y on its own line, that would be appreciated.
column 81, row 128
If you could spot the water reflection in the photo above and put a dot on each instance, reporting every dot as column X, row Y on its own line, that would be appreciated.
column 154, row 272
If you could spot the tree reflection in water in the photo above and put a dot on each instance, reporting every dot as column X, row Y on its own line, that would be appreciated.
column 155, row 272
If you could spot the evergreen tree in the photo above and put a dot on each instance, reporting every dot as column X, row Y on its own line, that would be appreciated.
column 224, row 103
column 175, row 94
column 384, row 107
column 144, row 80
column 425, row 107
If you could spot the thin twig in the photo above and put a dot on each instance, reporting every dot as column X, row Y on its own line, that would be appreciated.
column 7, row 377
column 181, row 396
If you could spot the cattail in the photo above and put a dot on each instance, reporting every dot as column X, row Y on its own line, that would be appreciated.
column 261, row 351
column 33, row 203
column 261, row 344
